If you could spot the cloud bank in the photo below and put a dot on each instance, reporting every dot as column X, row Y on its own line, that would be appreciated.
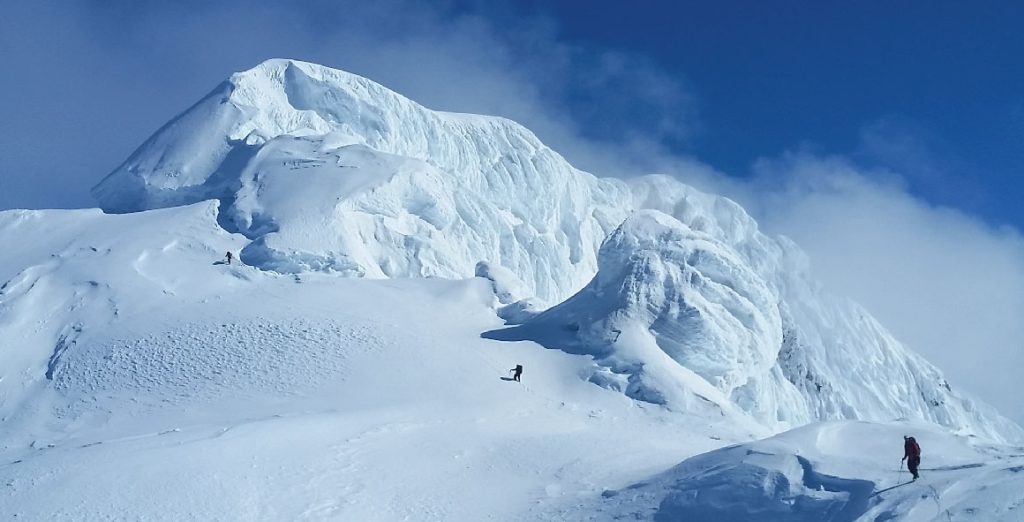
column 947, row 284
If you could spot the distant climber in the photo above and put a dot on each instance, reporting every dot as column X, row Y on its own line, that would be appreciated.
column 229, row 256
column 516, row 372
column 911, row 454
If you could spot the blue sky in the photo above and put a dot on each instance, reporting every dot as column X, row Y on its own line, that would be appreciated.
column 931, row 90
column 934, row 90
column 885, row 138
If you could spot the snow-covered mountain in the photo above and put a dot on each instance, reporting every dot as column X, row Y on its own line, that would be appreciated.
column 328, row 171
column 396, row 262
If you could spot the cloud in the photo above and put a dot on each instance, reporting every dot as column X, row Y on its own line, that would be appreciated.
column 947, row 284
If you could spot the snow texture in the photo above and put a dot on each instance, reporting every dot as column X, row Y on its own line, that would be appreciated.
column 328, row 171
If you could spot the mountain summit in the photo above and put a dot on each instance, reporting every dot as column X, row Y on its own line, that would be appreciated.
column 311, row 162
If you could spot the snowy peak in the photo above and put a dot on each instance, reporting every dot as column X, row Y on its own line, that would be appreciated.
column 327, row 172
column 287, row 97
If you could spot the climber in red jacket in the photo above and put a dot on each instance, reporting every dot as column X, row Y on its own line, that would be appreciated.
column 911, row 454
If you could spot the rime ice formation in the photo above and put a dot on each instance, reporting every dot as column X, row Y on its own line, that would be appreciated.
column 740, row 314
column 329, row 171
column 326, row 171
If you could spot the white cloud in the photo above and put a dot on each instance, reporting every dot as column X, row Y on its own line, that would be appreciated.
column 946, row 283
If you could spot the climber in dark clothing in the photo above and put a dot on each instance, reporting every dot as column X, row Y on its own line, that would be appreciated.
column 911, row 454
column 229, row 256
column 516, row 372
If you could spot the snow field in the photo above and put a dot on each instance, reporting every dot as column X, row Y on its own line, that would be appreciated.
column 416, row 426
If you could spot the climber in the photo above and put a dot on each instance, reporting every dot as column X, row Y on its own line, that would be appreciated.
column 229, row 256
column 911, row 454
column 516, row 372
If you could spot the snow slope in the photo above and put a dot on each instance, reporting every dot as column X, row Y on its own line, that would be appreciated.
column 198, row 390
column 71, row 273
column 665, row 288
